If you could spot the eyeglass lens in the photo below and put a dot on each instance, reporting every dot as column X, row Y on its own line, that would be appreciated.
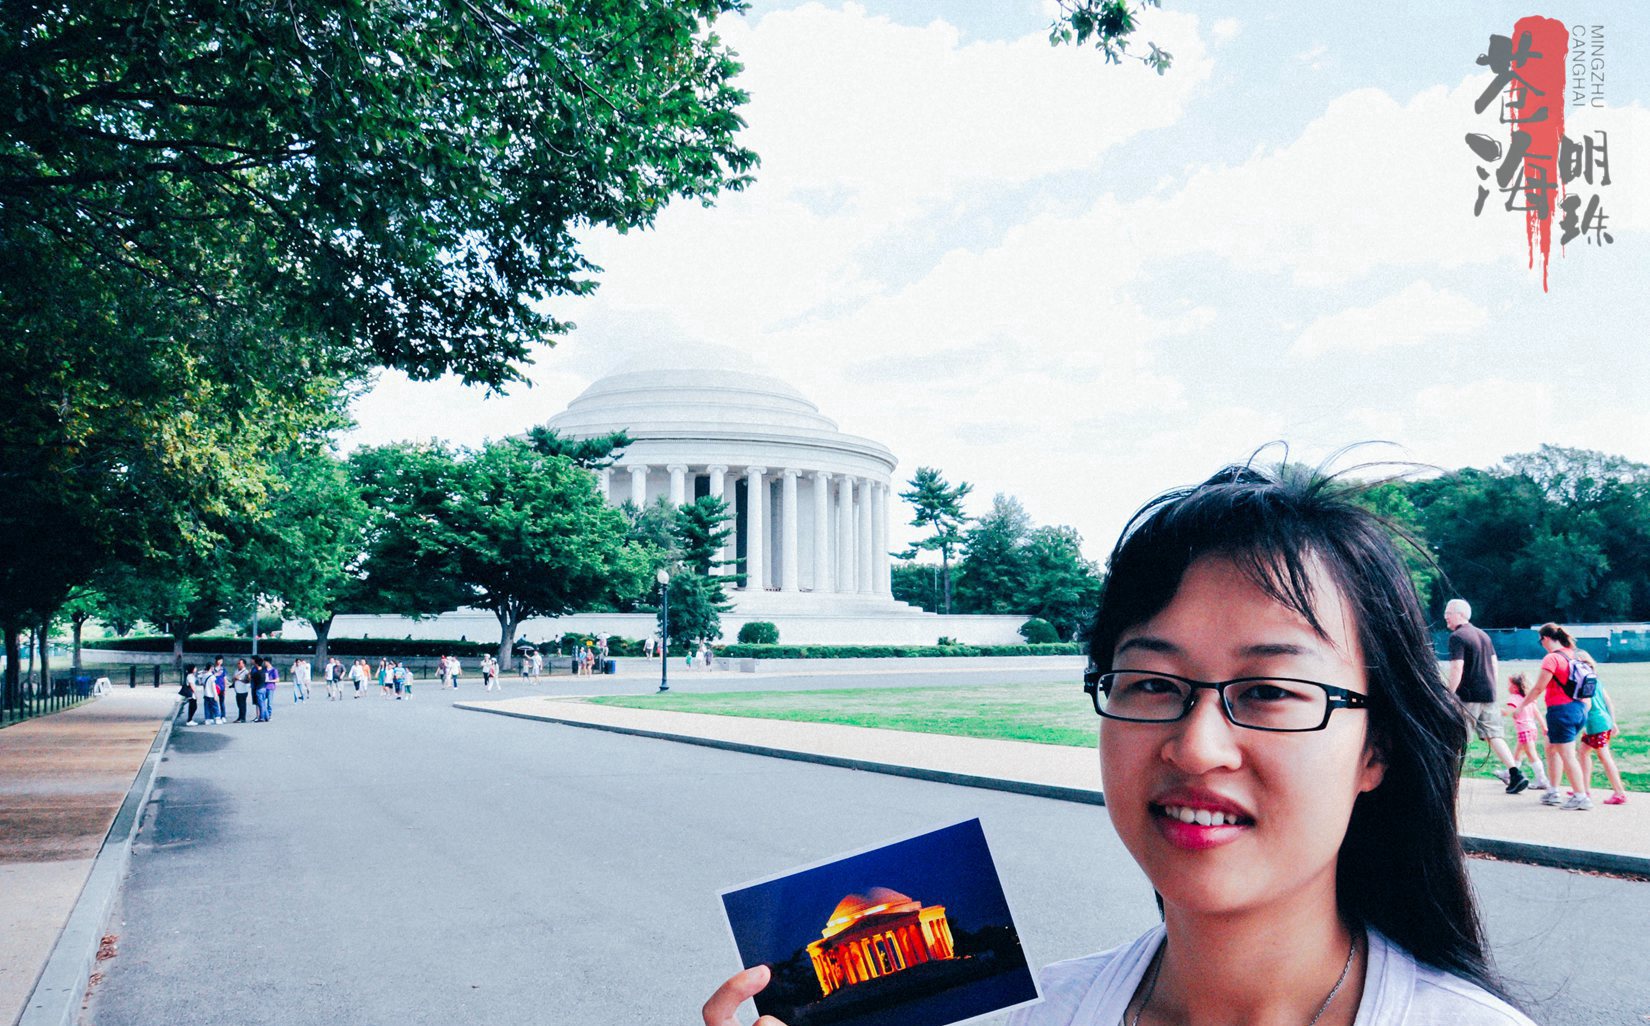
column 1266, row 703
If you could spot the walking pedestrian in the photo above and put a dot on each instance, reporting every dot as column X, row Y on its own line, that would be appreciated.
column 489, row 673
column 384, row 677
column 334, row 673
column 1596, row 734
column 1527, row 728
column 359, row 673
column 456, row 667
column 1472, row 676
column 257, row 676
column 1566, row 715
column 300, row 680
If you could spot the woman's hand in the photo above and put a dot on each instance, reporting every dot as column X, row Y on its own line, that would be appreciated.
column 720, row 1009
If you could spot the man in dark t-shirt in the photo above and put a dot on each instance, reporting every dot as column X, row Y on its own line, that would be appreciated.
column 1472, row 676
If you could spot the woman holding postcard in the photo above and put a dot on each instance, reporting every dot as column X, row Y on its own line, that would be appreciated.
column 1280, row 756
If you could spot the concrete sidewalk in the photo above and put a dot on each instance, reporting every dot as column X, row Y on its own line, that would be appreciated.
column 1612, row 839
column 63, row 778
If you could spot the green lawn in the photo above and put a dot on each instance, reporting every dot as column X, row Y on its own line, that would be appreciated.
column 1059, row 714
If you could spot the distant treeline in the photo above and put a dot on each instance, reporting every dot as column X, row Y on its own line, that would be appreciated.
column 1556, row 534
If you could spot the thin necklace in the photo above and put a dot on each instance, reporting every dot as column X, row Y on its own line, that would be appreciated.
column 1157, row 967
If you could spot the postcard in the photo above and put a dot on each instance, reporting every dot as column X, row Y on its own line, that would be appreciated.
column 916, row 932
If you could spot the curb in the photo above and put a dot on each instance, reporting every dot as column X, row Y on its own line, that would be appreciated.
column 1586, row 860
column 59, row 992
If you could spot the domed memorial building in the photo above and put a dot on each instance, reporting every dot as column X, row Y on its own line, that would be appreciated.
column 814, row 512
column 876, row 934
column 811, row 505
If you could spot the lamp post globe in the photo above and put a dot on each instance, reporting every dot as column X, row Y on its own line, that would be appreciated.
column 663, row 577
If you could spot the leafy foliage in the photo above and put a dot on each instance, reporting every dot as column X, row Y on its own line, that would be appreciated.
column 1038, row 631
column 938, row 507
column 1556, row 534
column 698, row 531
column 1109, row 23
column 405, row 179
column 758, row 632
column 504, row 528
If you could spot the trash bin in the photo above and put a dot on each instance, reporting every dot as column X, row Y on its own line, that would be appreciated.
column 610, row 666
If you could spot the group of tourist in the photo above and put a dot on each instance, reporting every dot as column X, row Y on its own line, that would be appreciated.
column 1579, row 719
column 207, row 689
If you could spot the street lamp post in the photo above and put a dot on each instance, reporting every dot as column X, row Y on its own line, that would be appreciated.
column 664, row 628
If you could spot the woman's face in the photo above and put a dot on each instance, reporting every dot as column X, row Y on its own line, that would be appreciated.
column 1279, row 802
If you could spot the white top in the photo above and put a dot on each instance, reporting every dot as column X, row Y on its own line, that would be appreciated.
column 1096, row 989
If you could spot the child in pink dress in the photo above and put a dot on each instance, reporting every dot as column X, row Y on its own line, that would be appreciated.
column 1529, row 729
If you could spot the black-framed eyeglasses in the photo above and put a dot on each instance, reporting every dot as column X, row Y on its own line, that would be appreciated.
column 1283, row 704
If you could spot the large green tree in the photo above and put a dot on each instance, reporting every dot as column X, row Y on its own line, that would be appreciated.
column 938, row 507
column 699, row 531
column 310, row 545
column 1061, row 586
column 991, row 578
column 504, row 528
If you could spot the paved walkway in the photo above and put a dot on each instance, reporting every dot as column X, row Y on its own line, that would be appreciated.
column 1608, row 837
column 62, row 779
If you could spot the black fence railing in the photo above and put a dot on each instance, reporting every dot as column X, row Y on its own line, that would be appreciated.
column 33, row 696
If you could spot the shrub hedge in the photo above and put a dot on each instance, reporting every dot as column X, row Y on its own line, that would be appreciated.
column 1038, row 631
column 208, row 644
column 759, row 632
column 892, row 651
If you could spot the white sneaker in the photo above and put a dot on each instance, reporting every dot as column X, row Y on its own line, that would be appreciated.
column 1579, row 803
column 1550, row 797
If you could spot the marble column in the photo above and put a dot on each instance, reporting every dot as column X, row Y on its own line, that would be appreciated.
column 756, row 528
column 638, row 485
column 604, row 483
column 845, row 534
column 882, row 584
column 787, row 527
column 822, row 531
column 718, row 485
column 678, row 483
column 862, row 568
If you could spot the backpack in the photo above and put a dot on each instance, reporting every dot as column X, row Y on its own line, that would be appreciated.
column 1582, row 681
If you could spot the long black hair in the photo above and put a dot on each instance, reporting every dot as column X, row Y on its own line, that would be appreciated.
column 1401, row 869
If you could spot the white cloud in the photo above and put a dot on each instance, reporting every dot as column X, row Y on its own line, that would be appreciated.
column 1313, row 58
column 1028, row 356
column 1413, row 317
column 1369, row 183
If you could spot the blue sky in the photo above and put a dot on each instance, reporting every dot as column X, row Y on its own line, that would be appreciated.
column 1081, row 284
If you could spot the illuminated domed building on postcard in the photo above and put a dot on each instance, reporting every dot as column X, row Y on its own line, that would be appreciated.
column 877, row 934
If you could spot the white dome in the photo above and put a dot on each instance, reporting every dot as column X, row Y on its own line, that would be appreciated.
column 728, row 417
column 673, row 400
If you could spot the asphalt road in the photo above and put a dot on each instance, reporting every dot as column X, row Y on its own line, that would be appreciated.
column 382, row 863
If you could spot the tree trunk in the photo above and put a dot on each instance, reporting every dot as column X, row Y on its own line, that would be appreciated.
column 14, row 659
column 45, row 661
column 945, row 578
column 79, row 623
column 322, row 629
column 177, row 650
column 508, row 621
